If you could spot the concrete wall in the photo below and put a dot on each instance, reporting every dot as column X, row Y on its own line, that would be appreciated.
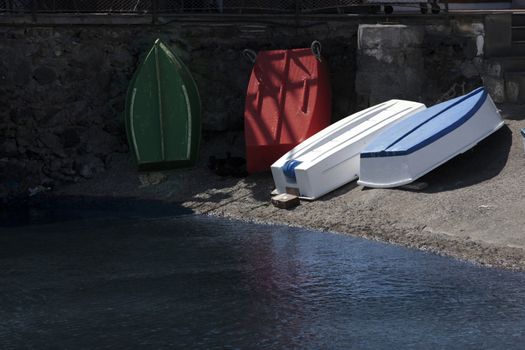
column 425, row 62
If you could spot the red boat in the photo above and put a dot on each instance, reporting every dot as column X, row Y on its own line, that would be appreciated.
column 288, row 100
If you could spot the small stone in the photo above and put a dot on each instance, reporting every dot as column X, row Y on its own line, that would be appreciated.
column 88, row 166
column 151, row 179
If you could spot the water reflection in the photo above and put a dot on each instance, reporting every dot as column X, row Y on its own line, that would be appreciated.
column 198, row 282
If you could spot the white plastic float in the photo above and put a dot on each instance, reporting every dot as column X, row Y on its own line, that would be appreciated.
column 330, row 158
column 415, row 146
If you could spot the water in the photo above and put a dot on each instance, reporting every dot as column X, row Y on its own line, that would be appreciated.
column 198, row 282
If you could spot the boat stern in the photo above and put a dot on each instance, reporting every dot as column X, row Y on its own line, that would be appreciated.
column 384, row 172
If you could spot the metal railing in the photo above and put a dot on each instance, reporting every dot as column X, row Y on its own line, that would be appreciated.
column 177, row 6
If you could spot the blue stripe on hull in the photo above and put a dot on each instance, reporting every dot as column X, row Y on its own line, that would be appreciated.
column 425, row 127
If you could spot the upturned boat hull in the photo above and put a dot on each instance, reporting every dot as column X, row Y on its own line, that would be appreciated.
column 288, row 100
column 414, row 147
column 163, row 112
column 330, row 158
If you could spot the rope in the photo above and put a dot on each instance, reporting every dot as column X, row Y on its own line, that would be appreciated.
column 250, row 55
column 316, row 49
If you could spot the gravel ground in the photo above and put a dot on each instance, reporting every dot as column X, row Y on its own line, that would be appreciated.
column 473, row 207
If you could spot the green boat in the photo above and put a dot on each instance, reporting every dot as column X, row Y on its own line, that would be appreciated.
column 163, row 112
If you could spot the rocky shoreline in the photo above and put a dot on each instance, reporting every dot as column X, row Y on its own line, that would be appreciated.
column 472, row 208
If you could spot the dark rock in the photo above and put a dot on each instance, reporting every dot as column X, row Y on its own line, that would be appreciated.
column 8, row 148
column 55, row 119
column 22, row 73
column 55, row 165
column 22, row 116
column 51, row 141
column 99, row 142
column 24, row 138
column 88, row 166
column 44, row 75
column 70, row 138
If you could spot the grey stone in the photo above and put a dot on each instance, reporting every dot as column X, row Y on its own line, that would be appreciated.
column 371, row 36
column 512, row 90
column 471, row 48
column 44, row 75
column 439, row 30
column 492, row 68
column 468, row 27
column 89, row 165
column 495, row 87
column 469, row 70
column 515, row 87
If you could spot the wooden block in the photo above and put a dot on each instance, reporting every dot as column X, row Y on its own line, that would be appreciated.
column 285, row 201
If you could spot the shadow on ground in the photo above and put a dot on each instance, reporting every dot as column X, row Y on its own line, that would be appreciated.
column 52, row 209
column 483, row 162
column 261, row 185
column 339, row 192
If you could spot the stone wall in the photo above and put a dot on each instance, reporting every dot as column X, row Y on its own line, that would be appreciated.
column 62, row 88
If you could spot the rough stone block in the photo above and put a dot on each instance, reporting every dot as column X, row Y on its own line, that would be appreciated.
column 372, row 36
column 469, row 70
column 492, row 68
column 467, row 27
column 495, row 87
column 515, row 87
column 512, row 91
column 439, row 30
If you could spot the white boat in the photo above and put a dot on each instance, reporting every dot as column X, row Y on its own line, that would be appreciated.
column 415, row 146
column 330, row 158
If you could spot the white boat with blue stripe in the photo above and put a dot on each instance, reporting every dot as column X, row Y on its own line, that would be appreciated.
column 415, row 146
column 330, row 158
